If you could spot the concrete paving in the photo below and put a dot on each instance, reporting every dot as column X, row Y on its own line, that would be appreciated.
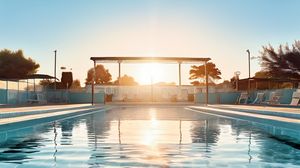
column 288, row 112
column 276, row 116
column 17, row 114
column 293, row 110
column 4, row 109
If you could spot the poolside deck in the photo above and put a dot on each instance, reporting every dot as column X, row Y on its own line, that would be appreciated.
column 26, row 108
column 286, row 112
column 152, row 103
column 291, row 109
column 18, row 114
column 284, row 116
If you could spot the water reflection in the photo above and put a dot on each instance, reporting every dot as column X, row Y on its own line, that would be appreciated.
column 180, row 133
column 249, row 146
column 137, row 137
column 55, row 143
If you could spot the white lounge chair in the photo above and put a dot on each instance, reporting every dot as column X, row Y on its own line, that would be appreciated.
column 274, row 98
column 37, row 98
column 259, row 98
column 243, row 99
column 295, row 99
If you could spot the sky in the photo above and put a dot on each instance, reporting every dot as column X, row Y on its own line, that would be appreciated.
column 79, row 29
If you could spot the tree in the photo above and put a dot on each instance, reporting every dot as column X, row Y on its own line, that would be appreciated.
column 126, row 80
column 14, row 65
column 226, row 84
column 165, row 84
column 285, row 63
column 198, row 72
column 196, row 83
column 262, row 74
column 76, row 84
column 102, row 75
column 46, row 82
column 60, row 85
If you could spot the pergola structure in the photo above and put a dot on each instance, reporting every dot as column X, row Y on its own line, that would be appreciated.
column 177, row 60
column 32, row 76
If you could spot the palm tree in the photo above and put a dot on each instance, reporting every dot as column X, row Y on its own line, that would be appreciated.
column 285, row 63
column 198, row 72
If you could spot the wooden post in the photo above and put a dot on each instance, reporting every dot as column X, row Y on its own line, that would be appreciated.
column 27, row 96
column 7, row 92
column 34, row 85
column 119, row 77
column 179, row 73
column 18, row 93
column 93, row 83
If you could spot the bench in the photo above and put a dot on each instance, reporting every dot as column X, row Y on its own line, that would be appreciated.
column 37, row 98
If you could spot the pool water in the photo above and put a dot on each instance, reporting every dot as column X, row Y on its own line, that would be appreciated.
column 147, row 137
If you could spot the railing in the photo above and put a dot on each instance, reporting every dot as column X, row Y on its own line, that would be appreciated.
column 24, row 92
column 20, row 92
column 148, row 93
column 231, row 97
column 16, row 92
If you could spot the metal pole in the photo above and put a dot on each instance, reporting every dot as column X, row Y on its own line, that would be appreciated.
column 119, row 77
column 55, row 69
column 206, row 82
column 18, row 94
column 93, row 82
column 27, row 89
column 6, row 91
column 249, row 84
column 179, row 72
column 34, row 85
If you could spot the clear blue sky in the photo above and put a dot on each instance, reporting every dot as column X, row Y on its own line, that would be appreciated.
column 79, row 29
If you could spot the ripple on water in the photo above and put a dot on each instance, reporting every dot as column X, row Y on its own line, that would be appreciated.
column 155, row 137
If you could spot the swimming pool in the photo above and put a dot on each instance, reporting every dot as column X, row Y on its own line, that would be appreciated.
column 147, row 136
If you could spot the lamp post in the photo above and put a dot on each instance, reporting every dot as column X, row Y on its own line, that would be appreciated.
column 249, row 84
column 55, row 69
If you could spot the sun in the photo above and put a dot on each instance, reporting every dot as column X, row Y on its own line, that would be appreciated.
column 150, row 73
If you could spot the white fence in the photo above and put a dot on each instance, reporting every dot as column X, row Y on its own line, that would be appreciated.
column 148, row 93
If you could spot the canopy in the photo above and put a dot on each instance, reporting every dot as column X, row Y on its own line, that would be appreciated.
column 40, row 76
column 150, row 59
column 32, row 76
column 177, row 60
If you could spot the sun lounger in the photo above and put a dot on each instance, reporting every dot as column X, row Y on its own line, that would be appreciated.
column 274, row 98
column 243, row 99
column 37, row 98
column 295, row 99
column 259, row 98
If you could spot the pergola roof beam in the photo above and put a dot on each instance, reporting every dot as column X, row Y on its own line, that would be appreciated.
column 150, row 59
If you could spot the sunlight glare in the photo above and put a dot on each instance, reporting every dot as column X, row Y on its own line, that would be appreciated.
column 150, row 136
column 150, row 73
column 154, row 122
